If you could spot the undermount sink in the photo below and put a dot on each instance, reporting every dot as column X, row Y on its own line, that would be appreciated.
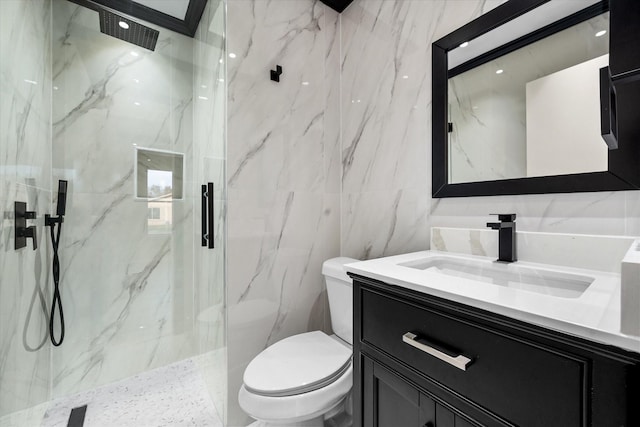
column 548, row 282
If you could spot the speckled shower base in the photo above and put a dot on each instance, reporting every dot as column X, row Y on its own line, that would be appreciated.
column 174, row 395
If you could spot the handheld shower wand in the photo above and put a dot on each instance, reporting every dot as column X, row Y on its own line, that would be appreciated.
column 50, row 221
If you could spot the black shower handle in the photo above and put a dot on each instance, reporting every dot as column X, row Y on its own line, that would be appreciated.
column 207, row 216
column 211, row 234
column 30, row 232
column 204, row 215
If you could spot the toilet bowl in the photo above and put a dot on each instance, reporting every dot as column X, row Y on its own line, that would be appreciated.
column 302, row 379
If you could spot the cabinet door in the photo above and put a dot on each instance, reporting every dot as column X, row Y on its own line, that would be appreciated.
column 446, row 418
column 624, row 55
column 389, row 401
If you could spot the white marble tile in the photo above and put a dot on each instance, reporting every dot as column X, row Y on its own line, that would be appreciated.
column 592, row 252
column 112, row 96
column 386, row 116
column 25, row 175
column 580, row 213
column 283, row 174
column 632, row 213
column 25, row 82
column 24, row 305
column 384, row 224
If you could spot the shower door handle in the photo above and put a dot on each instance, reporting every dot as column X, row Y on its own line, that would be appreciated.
column 211, row 234
column 204, row 215
column 208, row 236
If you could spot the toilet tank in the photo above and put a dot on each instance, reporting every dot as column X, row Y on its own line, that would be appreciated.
column 340, row 292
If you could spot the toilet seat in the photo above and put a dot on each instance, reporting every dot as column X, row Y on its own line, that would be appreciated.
column 294, row 410
column 296, row 365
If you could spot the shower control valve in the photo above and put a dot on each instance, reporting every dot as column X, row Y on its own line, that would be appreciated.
column 21, row 231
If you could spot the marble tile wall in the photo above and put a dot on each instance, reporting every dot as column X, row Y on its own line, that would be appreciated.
column 128, row 292
column 283, row 174
column 387, row 207
column 25, row 175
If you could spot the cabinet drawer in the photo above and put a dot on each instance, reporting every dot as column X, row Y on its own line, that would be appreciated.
column 525, row 383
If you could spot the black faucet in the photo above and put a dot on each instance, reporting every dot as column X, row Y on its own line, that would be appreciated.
column 506, row 236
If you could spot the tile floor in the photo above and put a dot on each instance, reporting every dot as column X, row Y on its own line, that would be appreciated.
column 174, row 395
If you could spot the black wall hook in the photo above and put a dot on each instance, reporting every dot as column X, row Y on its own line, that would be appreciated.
column 275, row 74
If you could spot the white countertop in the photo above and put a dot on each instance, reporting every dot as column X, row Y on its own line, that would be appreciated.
column 594, row 315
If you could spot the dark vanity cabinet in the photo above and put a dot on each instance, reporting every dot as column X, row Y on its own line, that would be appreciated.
column 422, row 361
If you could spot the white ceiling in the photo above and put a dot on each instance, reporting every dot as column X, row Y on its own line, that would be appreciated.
column 175, row 8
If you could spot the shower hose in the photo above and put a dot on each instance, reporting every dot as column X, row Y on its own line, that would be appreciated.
column 55, row 240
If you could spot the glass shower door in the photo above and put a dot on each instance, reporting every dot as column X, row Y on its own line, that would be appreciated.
column 135, row 132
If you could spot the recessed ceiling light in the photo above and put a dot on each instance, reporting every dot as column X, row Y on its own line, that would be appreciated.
column 221, row 80
column 134, row 53
column 305, row 83
column 204, row 98
column 221, row 61
column 601, row 33
column 136, row 103
column 405, row 77
column 500, row 71
column 31, row 82
column 123, row 25
column 465, row 44
column 232, row 55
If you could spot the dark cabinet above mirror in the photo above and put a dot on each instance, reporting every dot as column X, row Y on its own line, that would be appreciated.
column 525, row 102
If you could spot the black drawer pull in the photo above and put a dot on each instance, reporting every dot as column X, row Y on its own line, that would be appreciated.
column 459, row 361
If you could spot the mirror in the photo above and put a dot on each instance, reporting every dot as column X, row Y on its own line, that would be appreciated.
column 517, row 102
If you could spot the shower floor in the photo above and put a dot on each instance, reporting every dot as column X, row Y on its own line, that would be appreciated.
column 174, row 395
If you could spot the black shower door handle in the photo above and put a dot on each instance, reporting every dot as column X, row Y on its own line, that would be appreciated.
column 208, row 213
column 608, row 116
column 204, row 215
column 211, row 234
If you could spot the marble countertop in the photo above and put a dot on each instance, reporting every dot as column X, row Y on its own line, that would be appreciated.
column 594, row 315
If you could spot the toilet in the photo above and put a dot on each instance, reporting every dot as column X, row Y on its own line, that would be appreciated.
column 303, row 379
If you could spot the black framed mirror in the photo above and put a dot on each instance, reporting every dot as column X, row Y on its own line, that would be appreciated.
column 524, row 103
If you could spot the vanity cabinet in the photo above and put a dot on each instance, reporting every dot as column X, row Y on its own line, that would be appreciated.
column 420, row 360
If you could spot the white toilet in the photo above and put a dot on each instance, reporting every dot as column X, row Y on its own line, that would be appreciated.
column 304, row 378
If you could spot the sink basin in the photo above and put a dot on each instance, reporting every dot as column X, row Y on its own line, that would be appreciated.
column 548, row 282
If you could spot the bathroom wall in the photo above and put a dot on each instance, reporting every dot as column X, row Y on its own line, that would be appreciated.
column 25, row 175
column 128, row 288
column 283, row 174
column 386, row 141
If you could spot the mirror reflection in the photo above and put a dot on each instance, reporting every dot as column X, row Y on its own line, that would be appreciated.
column 532, row 112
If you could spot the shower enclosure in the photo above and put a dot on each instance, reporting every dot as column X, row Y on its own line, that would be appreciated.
column 136, row 133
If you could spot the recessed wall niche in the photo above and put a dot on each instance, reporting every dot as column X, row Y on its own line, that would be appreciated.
column 159, row 175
